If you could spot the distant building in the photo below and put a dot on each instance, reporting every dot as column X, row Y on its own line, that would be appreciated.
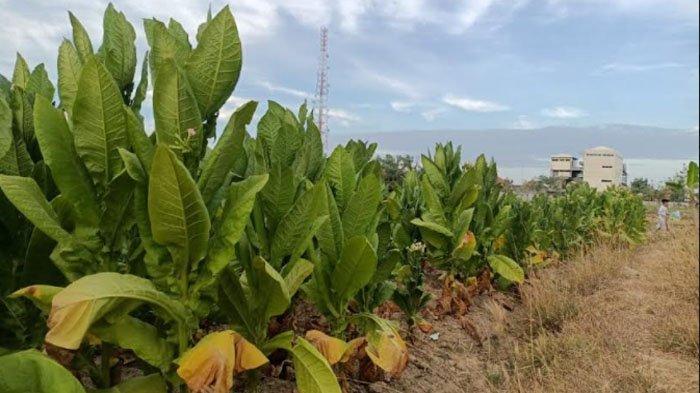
column 603, row 167
column 565, row 167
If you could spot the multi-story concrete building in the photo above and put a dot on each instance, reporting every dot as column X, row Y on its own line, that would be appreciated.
column 565, row 166
column 603, row 167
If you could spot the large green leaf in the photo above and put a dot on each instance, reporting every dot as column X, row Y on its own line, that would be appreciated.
column 295, row 273
column 16, row 160
column 297, row 223
column 180, row 34
column 355, row 268
column 176, row 113
column 115, row 219
column 314, row 150
column 39, row 83
column 144, row 339
column 506, row 268
column 331, row 236
column 287, row 143
column 436, row 177
column 142, row 88
column 178, row 216
column 38, row 267
column 118, row 50
column 269, row 126
column 234, row 217
column 69, row 174
column 214, row 65
column 22, row 113
column 69, row 67
column 141, row 144
column 25, row 194
column 235, row 304
column 81, row 39
column 432, row 226
column 271, row 297
column 164, row 45
column 5, row 88
column 21, row 73
column 156, row 259
column 99, row 122
column 219, row 162
column 340, row 174
column 106, row 298
column 31, row 371
column 312, row 371
column 362, row 207
column 434, row 211
column 279, row 194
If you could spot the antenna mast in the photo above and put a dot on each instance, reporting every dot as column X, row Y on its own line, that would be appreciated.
column 322, row 87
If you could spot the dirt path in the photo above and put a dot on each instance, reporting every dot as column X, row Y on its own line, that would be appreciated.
column 612, row 320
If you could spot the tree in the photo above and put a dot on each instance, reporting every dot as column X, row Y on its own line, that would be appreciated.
column 675, row 186
column 395, row 167
column 641, row 186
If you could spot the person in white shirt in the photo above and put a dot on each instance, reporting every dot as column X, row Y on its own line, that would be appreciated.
column 662, row 223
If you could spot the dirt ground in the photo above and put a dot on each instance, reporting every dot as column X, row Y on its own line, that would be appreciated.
column 612, row 320
column 609, row 320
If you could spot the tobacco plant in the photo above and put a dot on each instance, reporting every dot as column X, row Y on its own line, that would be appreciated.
column 463, row 215
column 346, row 257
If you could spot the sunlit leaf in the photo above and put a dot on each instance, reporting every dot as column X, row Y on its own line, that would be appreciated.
column 330, row 347
column 210, row 365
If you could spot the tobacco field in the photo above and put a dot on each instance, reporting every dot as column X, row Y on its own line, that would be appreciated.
column 212, row 254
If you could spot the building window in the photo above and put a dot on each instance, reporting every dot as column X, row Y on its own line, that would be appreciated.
column 607, row 166
column 606, row 181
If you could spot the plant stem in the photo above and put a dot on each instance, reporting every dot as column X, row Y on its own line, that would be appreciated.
column 105, row 364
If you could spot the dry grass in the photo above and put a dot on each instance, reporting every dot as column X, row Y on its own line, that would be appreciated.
column 613, row 320
column 610, row 320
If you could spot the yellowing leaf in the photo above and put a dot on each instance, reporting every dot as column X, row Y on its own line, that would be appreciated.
column 506, row 268
column 466, row 246
column 248, row 356
column 387, row 350
column 104, row 296
column 353, row 347
column 536, row 259
column 499, row 243
column 211, row 364
column 330, row 347
column 41, row 295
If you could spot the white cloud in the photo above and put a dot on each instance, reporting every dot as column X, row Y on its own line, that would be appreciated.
column 432, row 114
column 523, row 123
column 390, row 83
column 563, row 112
column 472, row 105
column 402, row 106
column 472, row 12
column 631, row 67
column 285, row 90
column 677, row 9
column 343, row 117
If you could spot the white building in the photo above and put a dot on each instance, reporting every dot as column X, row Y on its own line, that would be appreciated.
column 603, row 167
column 565, row 166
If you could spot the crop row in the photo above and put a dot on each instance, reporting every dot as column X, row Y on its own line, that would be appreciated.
column 182, row 254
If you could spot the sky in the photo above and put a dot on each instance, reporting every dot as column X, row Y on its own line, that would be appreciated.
column 433, row 65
